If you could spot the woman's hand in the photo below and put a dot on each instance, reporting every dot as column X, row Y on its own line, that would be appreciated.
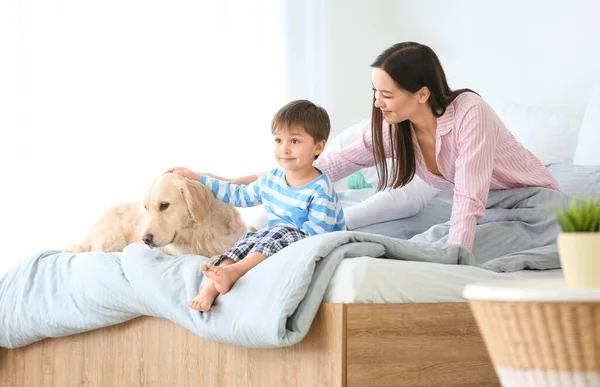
column 185, row 173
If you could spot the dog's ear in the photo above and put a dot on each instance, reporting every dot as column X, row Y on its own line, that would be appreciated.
column 198, row 199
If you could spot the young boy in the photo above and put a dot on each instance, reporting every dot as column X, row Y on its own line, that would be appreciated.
column 299, row 199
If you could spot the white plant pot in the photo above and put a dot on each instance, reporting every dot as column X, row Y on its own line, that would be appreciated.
column 580, row 258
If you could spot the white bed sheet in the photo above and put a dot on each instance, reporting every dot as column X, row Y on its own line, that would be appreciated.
column 376, row 280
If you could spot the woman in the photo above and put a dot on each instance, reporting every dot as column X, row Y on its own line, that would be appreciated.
column 452, row 140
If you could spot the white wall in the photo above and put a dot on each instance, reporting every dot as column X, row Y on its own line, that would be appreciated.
column 360, row 31
column 533, row 52
column 541, row 53
column 99, row 98
column 59, row 83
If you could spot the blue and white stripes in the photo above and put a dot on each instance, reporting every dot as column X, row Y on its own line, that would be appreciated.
column 313, row 207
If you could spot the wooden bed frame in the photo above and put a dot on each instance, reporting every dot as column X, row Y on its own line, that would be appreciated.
column 349, row 345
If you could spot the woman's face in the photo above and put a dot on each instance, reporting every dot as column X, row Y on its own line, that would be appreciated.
column 396, row 104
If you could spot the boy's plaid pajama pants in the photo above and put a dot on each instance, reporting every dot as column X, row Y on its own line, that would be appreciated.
column 267, row 242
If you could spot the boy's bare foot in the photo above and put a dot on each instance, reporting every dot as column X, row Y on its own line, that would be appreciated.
column 204, row 300
column 223, row 276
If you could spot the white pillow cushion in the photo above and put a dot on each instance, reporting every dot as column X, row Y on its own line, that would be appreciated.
column 587, row 152
column 549, row 135
column 347, row 136
column 256, row 216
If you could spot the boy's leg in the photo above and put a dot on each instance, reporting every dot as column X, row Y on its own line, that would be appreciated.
column 205, row 299
column 268, row 243
column 221, row 262
column 225, row 277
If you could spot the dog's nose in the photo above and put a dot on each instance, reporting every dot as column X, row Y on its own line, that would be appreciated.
column 148, row 238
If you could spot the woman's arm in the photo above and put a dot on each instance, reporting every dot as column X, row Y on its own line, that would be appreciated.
column 390, row 204
column 476, row 138
column 357, row 155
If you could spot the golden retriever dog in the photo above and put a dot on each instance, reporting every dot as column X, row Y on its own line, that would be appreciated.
column 177, row 215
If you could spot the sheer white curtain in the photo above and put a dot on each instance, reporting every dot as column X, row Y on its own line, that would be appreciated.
column 100, row 97
column 308, row 50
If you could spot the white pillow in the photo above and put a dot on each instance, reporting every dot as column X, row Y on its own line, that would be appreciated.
column 549, row 135
column 587, row 152
column 347, row 136
column 256, row 216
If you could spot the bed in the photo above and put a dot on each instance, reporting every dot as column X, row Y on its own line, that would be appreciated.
column 381, row 322
column 349, row 345
column 369, row 331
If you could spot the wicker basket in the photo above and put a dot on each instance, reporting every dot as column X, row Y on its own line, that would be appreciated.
column 539, row 333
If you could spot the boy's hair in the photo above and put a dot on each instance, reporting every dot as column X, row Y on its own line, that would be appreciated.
column 312, row 118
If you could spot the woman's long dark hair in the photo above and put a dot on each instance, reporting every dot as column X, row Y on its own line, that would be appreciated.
column 412, row 66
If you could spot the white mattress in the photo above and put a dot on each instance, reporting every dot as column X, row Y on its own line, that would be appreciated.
column 375, row 280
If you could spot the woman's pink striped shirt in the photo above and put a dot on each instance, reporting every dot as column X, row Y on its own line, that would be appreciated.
column 475, row 153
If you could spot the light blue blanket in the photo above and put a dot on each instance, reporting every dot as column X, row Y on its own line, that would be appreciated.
column 56, row 294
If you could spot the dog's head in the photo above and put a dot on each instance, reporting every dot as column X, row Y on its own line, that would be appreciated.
column 171, row 204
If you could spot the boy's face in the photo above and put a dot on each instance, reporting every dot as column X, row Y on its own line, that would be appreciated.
column 295, row 149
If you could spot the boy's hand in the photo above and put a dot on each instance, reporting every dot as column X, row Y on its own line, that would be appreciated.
column 185, row 173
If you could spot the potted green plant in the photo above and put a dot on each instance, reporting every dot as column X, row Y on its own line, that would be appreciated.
column 579, row 243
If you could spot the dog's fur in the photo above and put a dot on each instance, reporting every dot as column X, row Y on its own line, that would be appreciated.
column 177, row 215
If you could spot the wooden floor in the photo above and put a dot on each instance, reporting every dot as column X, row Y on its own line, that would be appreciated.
column 354, row 345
